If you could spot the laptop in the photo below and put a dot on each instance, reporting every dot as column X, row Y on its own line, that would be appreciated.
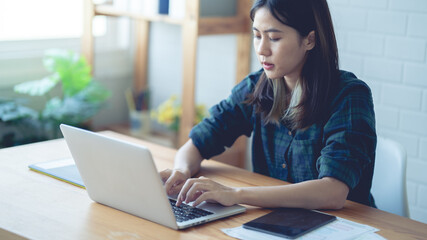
column 123, row 176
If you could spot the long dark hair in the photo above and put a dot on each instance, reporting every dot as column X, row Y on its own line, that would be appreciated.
column 319, row 74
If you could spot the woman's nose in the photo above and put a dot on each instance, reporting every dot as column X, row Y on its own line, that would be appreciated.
column 263, row 48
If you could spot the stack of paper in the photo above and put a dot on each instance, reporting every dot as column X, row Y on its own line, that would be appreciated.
column 340, row 229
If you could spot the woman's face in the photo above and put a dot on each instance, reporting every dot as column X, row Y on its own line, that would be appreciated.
column 280, row 49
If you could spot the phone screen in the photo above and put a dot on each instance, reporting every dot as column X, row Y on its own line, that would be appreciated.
column 289, row 222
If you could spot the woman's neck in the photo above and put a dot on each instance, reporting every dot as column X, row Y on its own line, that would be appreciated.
column 291, row 81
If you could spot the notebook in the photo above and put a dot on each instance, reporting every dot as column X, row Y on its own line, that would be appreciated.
column 123, row 175
column 61, row 169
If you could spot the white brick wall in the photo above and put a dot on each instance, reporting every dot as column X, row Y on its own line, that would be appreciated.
column 389, row 117
column 401, row 97
column 408, row 141
column 422, row 194
column 384, row 42
column 417, row 169
column 412, row 193
column 405, row 48
column 365, row 43
column 416, row 27
column 425, row 100
column 408, row 5
column 387, row 22
column 369, row 4
column 423, row 148
column 415, row 74
column 383, row 69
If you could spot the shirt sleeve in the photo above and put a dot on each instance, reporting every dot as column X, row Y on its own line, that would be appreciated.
column 349, row 136
column 228, row 120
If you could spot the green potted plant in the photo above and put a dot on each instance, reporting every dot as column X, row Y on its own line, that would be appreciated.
column 15, row 119
column 70, row 93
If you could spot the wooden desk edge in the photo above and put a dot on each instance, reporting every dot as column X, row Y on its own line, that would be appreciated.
column 391, row 226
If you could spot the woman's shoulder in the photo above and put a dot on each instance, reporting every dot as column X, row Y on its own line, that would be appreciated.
column 249, row 82
column 349, row 80
column 349, row 84
column 350, row 89
column 254, row 76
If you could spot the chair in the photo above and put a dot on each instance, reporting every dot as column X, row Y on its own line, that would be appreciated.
column 389, row 180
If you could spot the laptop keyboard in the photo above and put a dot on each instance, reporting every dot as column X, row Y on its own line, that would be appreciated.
column 186, row 212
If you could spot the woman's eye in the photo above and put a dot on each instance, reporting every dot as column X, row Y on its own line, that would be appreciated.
column 274, row 39
column 257, row 37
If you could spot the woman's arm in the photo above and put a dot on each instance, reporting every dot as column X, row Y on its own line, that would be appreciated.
column 325, row 193
column 228, row 120
column 188, row 159
column 187, row 163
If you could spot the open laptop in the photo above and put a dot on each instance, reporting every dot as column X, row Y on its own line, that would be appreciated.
column 122, row 175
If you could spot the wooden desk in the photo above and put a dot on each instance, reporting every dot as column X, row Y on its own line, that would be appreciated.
column 39, row 207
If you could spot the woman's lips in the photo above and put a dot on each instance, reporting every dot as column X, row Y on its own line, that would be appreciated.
column 267, row 66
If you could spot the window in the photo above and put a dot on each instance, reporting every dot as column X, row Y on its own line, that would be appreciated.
column 30, row 27
column 44, row 19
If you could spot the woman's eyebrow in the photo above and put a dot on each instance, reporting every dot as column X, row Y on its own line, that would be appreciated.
column 268, row 30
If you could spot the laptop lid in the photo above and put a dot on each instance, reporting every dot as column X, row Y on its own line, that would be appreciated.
column 123, row 175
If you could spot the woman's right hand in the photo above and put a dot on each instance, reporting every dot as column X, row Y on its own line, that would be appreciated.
column 173, row 180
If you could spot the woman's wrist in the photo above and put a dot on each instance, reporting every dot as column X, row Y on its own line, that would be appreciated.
column 185, row 171
column 238, row 195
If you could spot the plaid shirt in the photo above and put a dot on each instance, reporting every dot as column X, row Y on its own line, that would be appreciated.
column 343, row 147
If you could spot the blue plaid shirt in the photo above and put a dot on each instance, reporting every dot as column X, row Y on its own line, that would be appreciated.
column 343, row 147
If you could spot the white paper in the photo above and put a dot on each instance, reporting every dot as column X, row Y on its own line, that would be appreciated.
column 370, row 236
column 340, row 229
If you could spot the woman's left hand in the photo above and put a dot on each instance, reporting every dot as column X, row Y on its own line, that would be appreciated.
column 204, row 189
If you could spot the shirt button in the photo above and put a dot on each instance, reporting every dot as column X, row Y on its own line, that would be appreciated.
column 290, row 133
column 284, row 165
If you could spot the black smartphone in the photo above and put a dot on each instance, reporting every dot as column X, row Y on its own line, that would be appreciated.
column 289, row 222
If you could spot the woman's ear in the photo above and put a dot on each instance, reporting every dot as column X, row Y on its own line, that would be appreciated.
column 310, row 40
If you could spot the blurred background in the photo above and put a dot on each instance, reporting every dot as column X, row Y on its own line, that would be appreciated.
column 384, row 42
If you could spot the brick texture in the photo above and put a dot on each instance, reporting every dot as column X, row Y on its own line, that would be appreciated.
column 403, row 97
column 409, row 5
column 411, row 189
column 423, row 149
column 417, row 25
column 365, row 43
column 415, row 172
column 344, row 18
column 414, row 122
column 390, row 54
column 425, row 101
column 409, row 142
column 369, row 4
column 416, row 74
column 384, row 69
column 352, row 63
column 387, row 116
column 387, row 22
column 422, row 194
column 405, row 48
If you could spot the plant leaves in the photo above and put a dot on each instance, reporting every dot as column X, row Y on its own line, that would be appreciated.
column 37, row 87
column 94, row 93
column 73, row 110
column 10, row 111
column 72, row 70
column 81, row 97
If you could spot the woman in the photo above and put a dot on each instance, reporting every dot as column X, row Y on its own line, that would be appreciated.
column 312, row 124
